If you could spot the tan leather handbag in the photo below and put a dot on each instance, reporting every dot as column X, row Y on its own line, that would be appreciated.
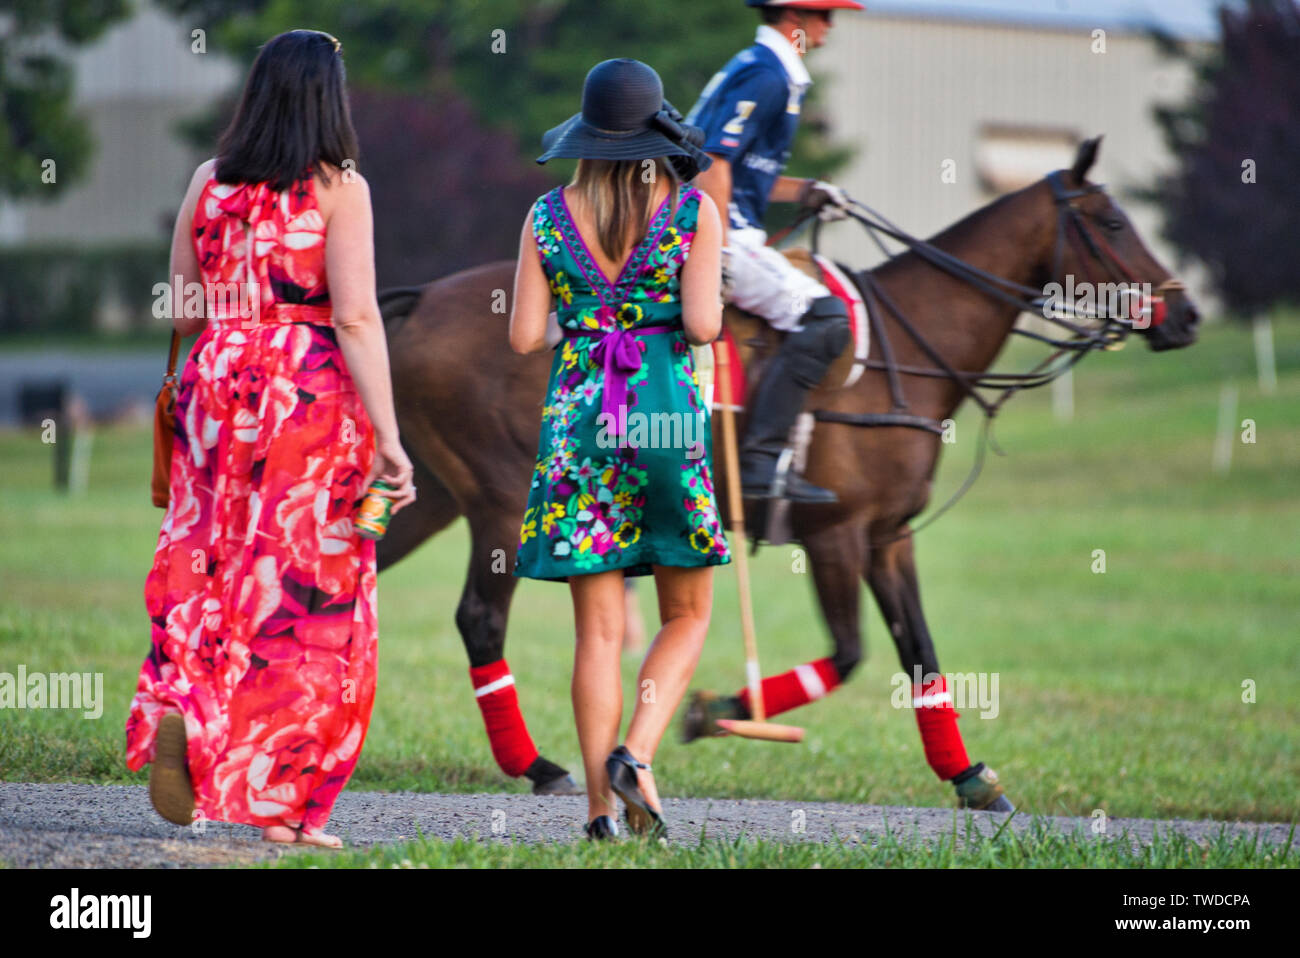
column 164, row 429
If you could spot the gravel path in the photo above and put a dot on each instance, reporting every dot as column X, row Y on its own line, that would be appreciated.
column 94, row 826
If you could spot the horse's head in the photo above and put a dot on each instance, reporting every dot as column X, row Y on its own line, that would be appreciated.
column 1098, row 246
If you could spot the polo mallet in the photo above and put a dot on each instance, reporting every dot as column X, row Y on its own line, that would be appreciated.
column 758, row 726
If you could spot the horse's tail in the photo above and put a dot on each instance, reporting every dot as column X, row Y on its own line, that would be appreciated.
column 395, row 304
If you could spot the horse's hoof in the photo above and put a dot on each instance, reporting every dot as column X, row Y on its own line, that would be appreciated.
column 564, row 785
column 981, row 792
column 549, row 779
column 1000, row 804
column 703, row 711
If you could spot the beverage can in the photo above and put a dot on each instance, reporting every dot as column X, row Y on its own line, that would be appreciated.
column 375, row 511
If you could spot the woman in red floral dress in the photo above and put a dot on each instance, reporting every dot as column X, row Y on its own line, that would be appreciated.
column 254, row 701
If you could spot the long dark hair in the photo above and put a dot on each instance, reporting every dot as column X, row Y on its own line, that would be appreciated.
column 293, row 116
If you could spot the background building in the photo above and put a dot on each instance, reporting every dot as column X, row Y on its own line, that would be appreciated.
column 1000, row 93
column 134, row 87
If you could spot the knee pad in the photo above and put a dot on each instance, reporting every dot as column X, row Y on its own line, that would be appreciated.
column 824, row 334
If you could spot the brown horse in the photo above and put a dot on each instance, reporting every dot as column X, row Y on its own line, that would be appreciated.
column 469, row 411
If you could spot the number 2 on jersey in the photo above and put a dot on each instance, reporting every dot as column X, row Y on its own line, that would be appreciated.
column 736, row 125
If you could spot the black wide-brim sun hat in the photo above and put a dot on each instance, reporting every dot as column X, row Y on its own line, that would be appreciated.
column 624, row 117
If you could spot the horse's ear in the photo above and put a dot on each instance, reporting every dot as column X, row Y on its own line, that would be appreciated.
column 1084, row 159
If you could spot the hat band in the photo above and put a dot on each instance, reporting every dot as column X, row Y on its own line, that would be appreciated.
column 604, row 132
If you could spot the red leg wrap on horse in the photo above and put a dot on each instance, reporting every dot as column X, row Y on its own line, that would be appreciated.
column 494, row 688
column 937, row 720
column 799, row 686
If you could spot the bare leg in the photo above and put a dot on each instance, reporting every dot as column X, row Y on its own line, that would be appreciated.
column 685, row 604
column 597, row 686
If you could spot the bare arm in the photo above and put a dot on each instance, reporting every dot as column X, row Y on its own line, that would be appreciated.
column 532, row 299
column 184, row 263
column 702, row 278
column 788, row 189
column 350, row 266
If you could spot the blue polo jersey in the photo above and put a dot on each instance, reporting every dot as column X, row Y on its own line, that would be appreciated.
column 749, row 112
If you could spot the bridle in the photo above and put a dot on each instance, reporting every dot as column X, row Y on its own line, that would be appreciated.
column 1074, row 343
column 1091, row 250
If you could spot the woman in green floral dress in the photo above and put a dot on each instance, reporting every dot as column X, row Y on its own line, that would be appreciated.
column 628, row 258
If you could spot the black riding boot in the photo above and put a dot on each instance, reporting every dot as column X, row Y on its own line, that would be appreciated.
column 797, row 367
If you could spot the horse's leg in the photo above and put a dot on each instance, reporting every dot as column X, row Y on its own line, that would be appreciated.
column 431, row 512
column 481, row 618
column 836, row 555
column 890, row 572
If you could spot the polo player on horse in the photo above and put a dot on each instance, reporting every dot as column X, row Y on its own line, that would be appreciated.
column 749, row 113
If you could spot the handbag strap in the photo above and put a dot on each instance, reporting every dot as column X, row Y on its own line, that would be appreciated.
column 171, row 359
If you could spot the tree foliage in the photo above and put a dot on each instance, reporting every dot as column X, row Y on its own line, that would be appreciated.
column 519, row 63
column 439, row 210
column 36, row 87
column 1231, row 198
column 451, row 97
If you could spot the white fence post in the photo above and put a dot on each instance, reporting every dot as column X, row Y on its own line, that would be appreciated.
column 1265, row 363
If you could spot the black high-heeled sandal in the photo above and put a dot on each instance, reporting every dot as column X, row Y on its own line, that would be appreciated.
column 641, row 818
column 600, row 828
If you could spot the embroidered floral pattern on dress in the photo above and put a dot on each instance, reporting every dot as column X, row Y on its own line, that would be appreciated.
column 594, row 505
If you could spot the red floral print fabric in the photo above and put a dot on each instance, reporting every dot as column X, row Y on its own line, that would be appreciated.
column 262, row 599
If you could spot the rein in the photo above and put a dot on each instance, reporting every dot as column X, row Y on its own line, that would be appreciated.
column 1082, row 340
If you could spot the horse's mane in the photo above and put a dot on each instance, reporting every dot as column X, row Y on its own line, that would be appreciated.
column 959, row 234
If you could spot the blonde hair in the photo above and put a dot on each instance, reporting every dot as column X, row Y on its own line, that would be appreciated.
column 620, row 194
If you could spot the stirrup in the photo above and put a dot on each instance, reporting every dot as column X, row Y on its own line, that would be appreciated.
column 802, row 491
column 781, row 474
column 787, row 484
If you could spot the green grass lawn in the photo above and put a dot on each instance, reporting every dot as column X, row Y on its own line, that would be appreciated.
column 1038, row 847
column 1120, row 691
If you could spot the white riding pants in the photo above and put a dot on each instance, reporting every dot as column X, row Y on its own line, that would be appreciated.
column 760, row 280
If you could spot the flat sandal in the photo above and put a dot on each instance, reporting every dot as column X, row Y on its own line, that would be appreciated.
column 170, row 789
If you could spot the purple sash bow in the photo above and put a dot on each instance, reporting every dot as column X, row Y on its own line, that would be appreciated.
column 619, row 351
